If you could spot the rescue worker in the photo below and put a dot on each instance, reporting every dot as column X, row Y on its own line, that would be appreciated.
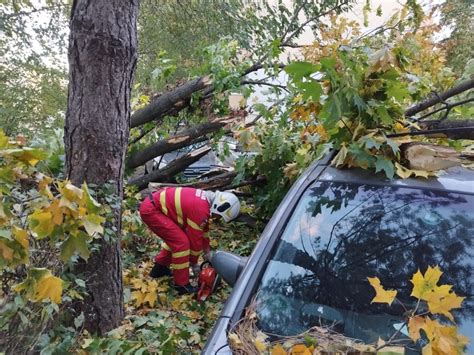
column 180, row 217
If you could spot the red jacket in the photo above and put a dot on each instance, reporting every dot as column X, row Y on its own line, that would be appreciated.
column 189, row 209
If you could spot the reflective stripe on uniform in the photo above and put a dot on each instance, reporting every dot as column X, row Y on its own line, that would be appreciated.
column 177, row 203
column 196, row 252
column 179, row 266
column 193, row 225
column 163, row 202
column 180, row 254
column 165, row 246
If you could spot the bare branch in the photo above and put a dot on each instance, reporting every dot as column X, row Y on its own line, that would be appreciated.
column 435, row 99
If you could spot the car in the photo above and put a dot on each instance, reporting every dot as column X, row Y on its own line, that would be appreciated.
column 335, row 228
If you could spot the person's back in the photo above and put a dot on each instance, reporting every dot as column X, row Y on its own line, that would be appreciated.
column 180, row 216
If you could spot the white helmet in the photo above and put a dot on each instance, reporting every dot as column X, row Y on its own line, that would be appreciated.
column 225, row 204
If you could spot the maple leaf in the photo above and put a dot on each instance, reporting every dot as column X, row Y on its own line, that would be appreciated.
column 138, row 297
column 381, row 295
column 5, row 251
column 278, row 350
column 340, row 158
column 300, row 349
column 442, row 304
column 50, row 287
column 423, row 285
column 414, row 325
column 151, row 298
column 41, row 223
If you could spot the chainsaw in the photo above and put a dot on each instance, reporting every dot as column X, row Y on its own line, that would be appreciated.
column 208, row 281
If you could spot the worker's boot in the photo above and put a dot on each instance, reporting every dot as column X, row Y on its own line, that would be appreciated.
column 186, row 289
column 160, row 271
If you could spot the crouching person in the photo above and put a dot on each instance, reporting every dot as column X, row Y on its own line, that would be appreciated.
column 180, row 217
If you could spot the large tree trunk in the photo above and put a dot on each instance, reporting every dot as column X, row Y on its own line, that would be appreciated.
column 102, row 57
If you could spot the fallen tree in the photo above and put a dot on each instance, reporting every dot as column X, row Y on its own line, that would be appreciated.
column 185, row 138
column 173, row 168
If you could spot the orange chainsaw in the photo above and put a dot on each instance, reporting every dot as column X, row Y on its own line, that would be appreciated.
column 208, row 281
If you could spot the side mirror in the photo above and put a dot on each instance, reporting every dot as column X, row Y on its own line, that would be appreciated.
column 228, row 265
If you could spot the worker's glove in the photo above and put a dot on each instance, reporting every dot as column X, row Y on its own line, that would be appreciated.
column 196, row 270
column 207, row 255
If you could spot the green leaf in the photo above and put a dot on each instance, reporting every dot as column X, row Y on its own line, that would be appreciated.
column 386, row 165
column 298, row 70
column 75, row 244
column 328, row 62
column 91, row 204
column 331, row 111
column 398, row 91
column 383, row 115
column 311, row 89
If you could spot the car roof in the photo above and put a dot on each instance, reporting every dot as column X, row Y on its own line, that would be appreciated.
column 456, row 179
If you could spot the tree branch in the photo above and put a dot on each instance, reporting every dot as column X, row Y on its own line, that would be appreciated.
column 458, row 129
column 173, row 168
column 183, row 139
column 464, row 86
column 448, row 107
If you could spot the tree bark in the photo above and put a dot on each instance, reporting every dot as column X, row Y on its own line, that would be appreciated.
column 454, row 129
column 180, row 140
column 171, row 169
column 171, row 102
column 435, row 99
column 102, row 57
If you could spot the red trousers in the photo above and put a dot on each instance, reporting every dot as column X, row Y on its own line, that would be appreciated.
column 176, row 250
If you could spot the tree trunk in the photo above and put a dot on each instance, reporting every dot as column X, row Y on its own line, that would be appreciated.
column 102, row 57
column 170, row 102
column 182, row 139
column 173, row 168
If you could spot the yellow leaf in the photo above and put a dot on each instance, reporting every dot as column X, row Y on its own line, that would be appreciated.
column 423, row 285
column 139, row 283
column 56, row 212
column 234, row 340
column 151, row 298
column 291, row 170
column 403, row 172
column 138, row 297
column 261, row 347
column 422, row 173
column 278, row 350
column 50, row 287
column 64, row 202
column 71, row 192
column 300, row 349
column 176, row 304
column 21, row 236
column 42, row 223
column 414, row 326
column 43, row 186
column 381, row 295
column 340, row 158
column 5, row 251
column 92, row 224
column 442, row 304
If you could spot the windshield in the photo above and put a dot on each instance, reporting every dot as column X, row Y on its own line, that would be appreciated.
column 340, row 234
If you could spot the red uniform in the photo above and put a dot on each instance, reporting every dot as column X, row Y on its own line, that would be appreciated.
column 180, row 217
